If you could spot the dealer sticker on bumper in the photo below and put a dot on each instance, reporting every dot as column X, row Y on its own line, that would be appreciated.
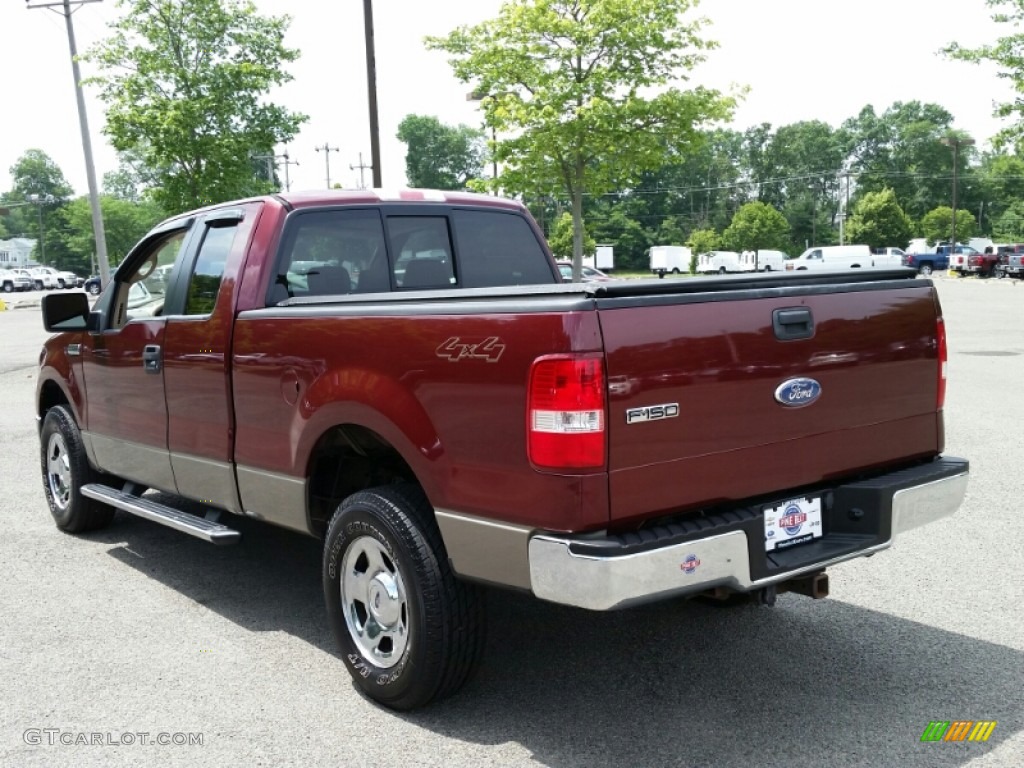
column 793, row 522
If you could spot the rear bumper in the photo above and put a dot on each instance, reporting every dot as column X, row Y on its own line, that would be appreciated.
column 727, row 550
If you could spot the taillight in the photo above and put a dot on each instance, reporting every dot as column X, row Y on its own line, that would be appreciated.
column 943, row 357
column 566, row 413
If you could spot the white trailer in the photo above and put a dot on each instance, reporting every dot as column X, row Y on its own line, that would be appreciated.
column 764, row 260
column 603, row 258
column 670, row 258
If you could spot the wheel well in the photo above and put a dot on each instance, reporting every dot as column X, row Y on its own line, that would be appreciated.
column 50, row 396
column 349, row 458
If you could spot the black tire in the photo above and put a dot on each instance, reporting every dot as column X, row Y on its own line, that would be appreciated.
column 429, row 632
column 94, row 289
column 721, row 270
column 925, row 269
column 8, row 287
column 65, row 470
column 767, row 268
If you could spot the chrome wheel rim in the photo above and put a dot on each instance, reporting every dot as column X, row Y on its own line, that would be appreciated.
column 373, row 599
column 58, row 471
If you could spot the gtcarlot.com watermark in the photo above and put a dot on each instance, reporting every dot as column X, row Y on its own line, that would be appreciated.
column 54, row 737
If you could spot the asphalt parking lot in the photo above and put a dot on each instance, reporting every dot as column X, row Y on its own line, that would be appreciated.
column 138, row 632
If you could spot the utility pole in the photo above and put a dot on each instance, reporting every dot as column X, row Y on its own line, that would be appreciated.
column 371, row 85
column 287, row 176
column 362, row 167
column 99, row 234
column 327, row 149
column 955, row 143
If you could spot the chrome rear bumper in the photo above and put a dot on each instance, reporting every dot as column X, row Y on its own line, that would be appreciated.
column 597, row 574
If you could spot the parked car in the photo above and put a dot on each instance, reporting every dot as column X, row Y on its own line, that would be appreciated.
column 589, row 274
column 44, row 278
column 92, row 285
column 15, row 280
column 68, row 279
column 887, row 257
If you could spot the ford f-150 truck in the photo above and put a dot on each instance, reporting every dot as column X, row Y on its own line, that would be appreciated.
column 407, row 377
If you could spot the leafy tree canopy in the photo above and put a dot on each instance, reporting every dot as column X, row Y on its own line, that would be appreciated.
column 878, row 221
column 1006, row 54
column 755, row 226
column 124, row 221
column 937, row 224
column 560, row 240
column 185, row 83
column 581, row 93
column 440, row 156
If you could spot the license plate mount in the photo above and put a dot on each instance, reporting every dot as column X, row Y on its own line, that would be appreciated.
column 791, row 523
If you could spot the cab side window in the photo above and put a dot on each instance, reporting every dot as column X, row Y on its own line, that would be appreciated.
column 327, row 253
column 204, row 282
column 141, row 294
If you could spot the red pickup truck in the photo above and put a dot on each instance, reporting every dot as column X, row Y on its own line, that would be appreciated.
column 409, row 378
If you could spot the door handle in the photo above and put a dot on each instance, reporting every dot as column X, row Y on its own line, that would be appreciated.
column 152, row 358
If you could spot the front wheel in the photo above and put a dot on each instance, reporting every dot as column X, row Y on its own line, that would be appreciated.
column 65, row 470
column 8, row 287
column 94, row 289
column 408, row 630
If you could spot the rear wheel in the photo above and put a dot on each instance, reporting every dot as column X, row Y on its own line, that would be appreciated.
column 408, row 630
column 925, row 269
column 65, row 470
column 721, row 270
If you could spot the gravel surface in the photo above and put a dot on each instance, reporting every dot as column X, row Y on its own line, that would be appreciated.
column 139, row 633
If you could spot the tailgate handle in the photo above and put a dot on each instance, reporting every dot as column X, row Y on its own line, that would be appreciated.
column 794, row 323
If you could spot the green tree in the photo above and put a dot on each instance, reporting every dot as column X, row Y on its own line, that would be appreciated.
column 701, row 241
column 561, row 239
column 755, row 226
column 124, row 221
column 440, row 156
column 579, row 92
column 626, row 234
column 1005, row 53
column 185, row 83
column 937, row 224
column 878, row 221
column 1009, row 226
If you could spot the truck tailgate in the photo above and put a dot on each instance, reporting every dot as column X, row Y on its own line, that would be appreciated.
column 694, row 417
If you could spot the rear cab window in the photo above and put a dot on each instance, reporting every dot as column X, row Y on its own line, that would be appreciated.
column 339, row 251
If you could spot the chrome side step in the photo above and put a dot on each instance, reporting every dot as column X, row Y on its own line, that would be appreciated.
column 200, row 527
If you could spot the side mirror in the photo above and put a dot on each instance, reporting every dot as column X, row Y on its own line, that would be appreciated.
column 65, row 312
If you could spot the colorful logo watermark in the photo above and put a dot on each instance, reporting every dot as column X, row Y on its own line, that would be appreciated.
column 958, row 730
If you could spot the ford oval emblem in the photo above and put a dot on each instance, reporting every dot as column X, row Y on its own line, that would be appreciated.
column 796, row 393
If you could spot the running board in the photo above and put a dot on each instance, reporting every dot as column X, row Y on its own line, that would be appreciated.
column 200, row 527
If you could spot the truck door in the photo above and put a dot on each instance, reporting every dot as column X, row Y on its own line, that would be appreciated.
column 197, row 356
column 126, row 413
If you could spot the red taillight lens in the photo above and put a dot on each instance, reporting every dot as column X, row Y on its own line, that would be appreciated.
column 943, row 357
column 566, row 413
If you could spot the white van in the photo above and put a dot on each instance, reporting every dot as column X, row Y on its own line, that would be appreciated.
column 764, row 260
column 670, row 258
column 718, row 261
column 832, row 257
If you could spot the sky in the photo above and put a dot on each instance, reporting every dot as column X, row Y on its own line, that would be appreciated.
column 800, row 60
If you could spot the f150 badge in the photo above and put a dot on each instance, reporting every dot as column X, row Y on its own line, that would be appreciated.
column 652, row 413
column 796, row 393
